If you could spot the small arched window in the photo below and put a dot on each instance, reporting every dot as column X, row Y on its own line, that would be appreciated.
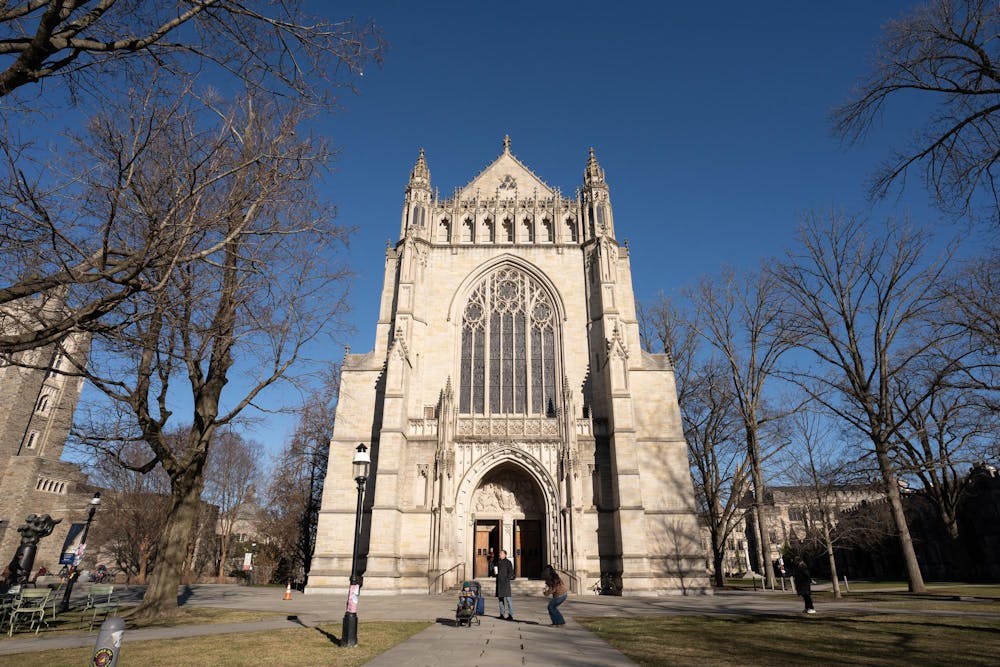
column 444, row 231
column 571, row 230
column 529, row 230
column 32, row 440
column 468, row 231
column 547, row 231
column 602, row 222
column 508, row 230
column 491, row 235
column 43, row 403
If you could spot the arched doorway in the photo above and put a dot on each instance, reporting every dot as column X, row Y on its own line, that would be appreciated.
column 508, row 513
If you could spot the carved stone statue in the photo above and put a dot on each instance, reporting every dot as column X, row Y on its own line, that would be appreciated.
column 35, row 528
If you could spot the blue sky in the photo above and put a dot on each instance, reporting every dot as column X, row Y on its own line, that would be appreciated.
column 710, row 119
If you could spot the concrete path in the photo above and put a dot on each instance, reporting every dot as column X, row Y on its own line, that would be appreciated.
column 528, row 641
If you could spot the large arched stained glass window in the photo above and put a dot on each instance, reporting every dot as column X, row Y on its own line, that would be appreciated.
column 508, row 348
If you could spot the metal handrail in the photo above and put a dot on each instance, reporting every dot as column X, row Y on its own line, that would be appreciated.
column 433, row 585
column 575, row 582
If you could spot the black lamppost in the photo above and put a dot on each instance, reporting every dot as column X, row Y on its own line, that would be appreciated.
column 349, row 636
column 74, row 572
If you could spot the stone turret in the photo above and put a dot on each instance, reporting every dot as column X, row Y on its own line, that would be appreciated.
column 417, row 201
column 596, row 201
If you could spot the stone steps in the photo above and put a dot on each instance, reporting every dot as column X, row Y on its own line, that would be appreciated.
column 520, row 587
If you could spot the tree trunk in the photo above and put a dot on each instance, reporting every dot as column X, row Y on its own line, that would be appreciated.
column 764, row 543
column 161, row 595
column 916, row 579
column 143, row 564
column 831, row 558
column 718, row 557
column 223, row 552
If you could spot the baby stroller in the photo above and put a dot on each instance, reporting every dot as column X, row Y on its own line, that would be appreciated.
column 470, row 604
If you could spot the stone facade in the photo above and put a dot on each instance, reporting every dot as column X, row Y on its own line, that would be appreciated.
column 508, row 403
column 792, row 514
column 38, row 396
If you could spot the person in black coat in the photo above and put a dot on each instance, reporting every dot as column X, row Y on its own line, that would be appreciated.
column 505, row 574
column 803, row 585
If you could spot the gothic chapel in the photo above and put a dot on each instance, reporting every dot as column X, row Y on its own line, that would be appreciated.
column 508, row 403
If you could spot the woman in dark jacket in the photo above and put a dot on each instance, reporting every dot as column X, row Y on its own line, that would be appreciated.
column 803, row 585
column 555, row 587
column 505, row 574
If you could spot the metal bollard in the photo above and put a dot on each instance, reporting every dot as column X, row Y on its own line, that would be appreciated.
column 109, row 641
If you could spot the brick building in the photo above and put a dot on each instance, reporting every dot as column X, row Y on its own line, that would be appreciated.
column 38, row 395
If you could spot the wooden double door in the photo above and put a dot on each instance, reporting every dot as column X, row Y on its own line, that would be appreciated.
column 526, row 553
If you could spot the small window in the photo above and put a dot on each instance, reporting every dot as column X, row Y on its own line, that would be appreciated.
column 468, row 232
column 508, row 230
column 32, row 440
column 490, row 231
column 547, row 230
column 529, row 231
column 43, row 404
column 444, row 231
column 571, row 229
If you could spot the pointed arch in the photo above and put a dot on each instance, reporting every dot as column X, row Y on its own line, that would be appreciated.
column 510, row 342
column 532, row 468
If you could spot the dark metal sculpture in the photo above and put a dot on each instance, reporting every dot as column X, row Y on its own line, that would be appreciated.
column 35, row 528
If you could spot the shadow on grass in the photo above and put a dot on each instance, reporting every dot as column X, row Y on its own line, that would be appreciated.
column 334, row 639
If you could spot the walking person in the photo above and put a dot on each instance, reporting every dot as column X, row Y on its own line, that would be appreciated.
column 803, row 585
column 555, row 587
column 505, row 575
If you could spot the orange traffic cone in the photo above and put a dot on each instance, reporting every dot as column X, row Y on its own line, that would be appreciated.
column 288, row 591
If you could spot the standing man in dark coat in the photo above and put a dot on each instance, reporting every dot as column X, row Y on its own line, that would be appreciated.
column 803, row 585
column 505, row 574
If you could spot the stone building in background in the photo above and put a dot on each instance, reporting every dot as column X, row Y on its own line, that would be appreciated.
column 508, row 403
column 38, row 396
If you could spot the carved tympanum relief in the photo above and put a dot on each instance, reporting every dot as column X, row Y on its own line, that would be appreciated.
column 507, row 493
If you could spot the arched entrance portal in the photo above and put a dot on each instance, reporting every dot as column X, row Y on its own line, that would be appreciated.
column 508, row 513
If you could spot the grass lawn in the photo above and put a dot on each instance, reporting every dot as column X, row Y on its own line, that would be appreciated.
column 823, row 639
column 305, row 647
column 72, row 623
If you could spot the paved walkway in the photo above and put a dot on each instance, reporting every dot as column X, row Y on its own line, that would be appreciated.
column 528, row 641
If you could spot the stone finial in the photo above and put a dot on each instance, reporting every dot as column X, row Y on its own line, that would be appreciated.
column 420, row 175
column 506, row 143
column 593, row 174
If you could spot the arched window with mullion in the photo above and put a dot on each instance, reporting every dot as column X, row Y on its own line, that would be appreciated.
column 508, row 355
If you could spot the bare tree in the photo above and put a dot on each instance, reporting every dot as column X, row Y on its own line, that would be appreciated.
column 712, row 426
column 231, row 476
column 971, row 303
column 739, row 316
column 296, row 491
column 827, row 479
column 248, row 308
column 84, row 42
column 133, row 513
column 946, row 52
column 943, row 436
column 861, row 305
column 56, row 242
